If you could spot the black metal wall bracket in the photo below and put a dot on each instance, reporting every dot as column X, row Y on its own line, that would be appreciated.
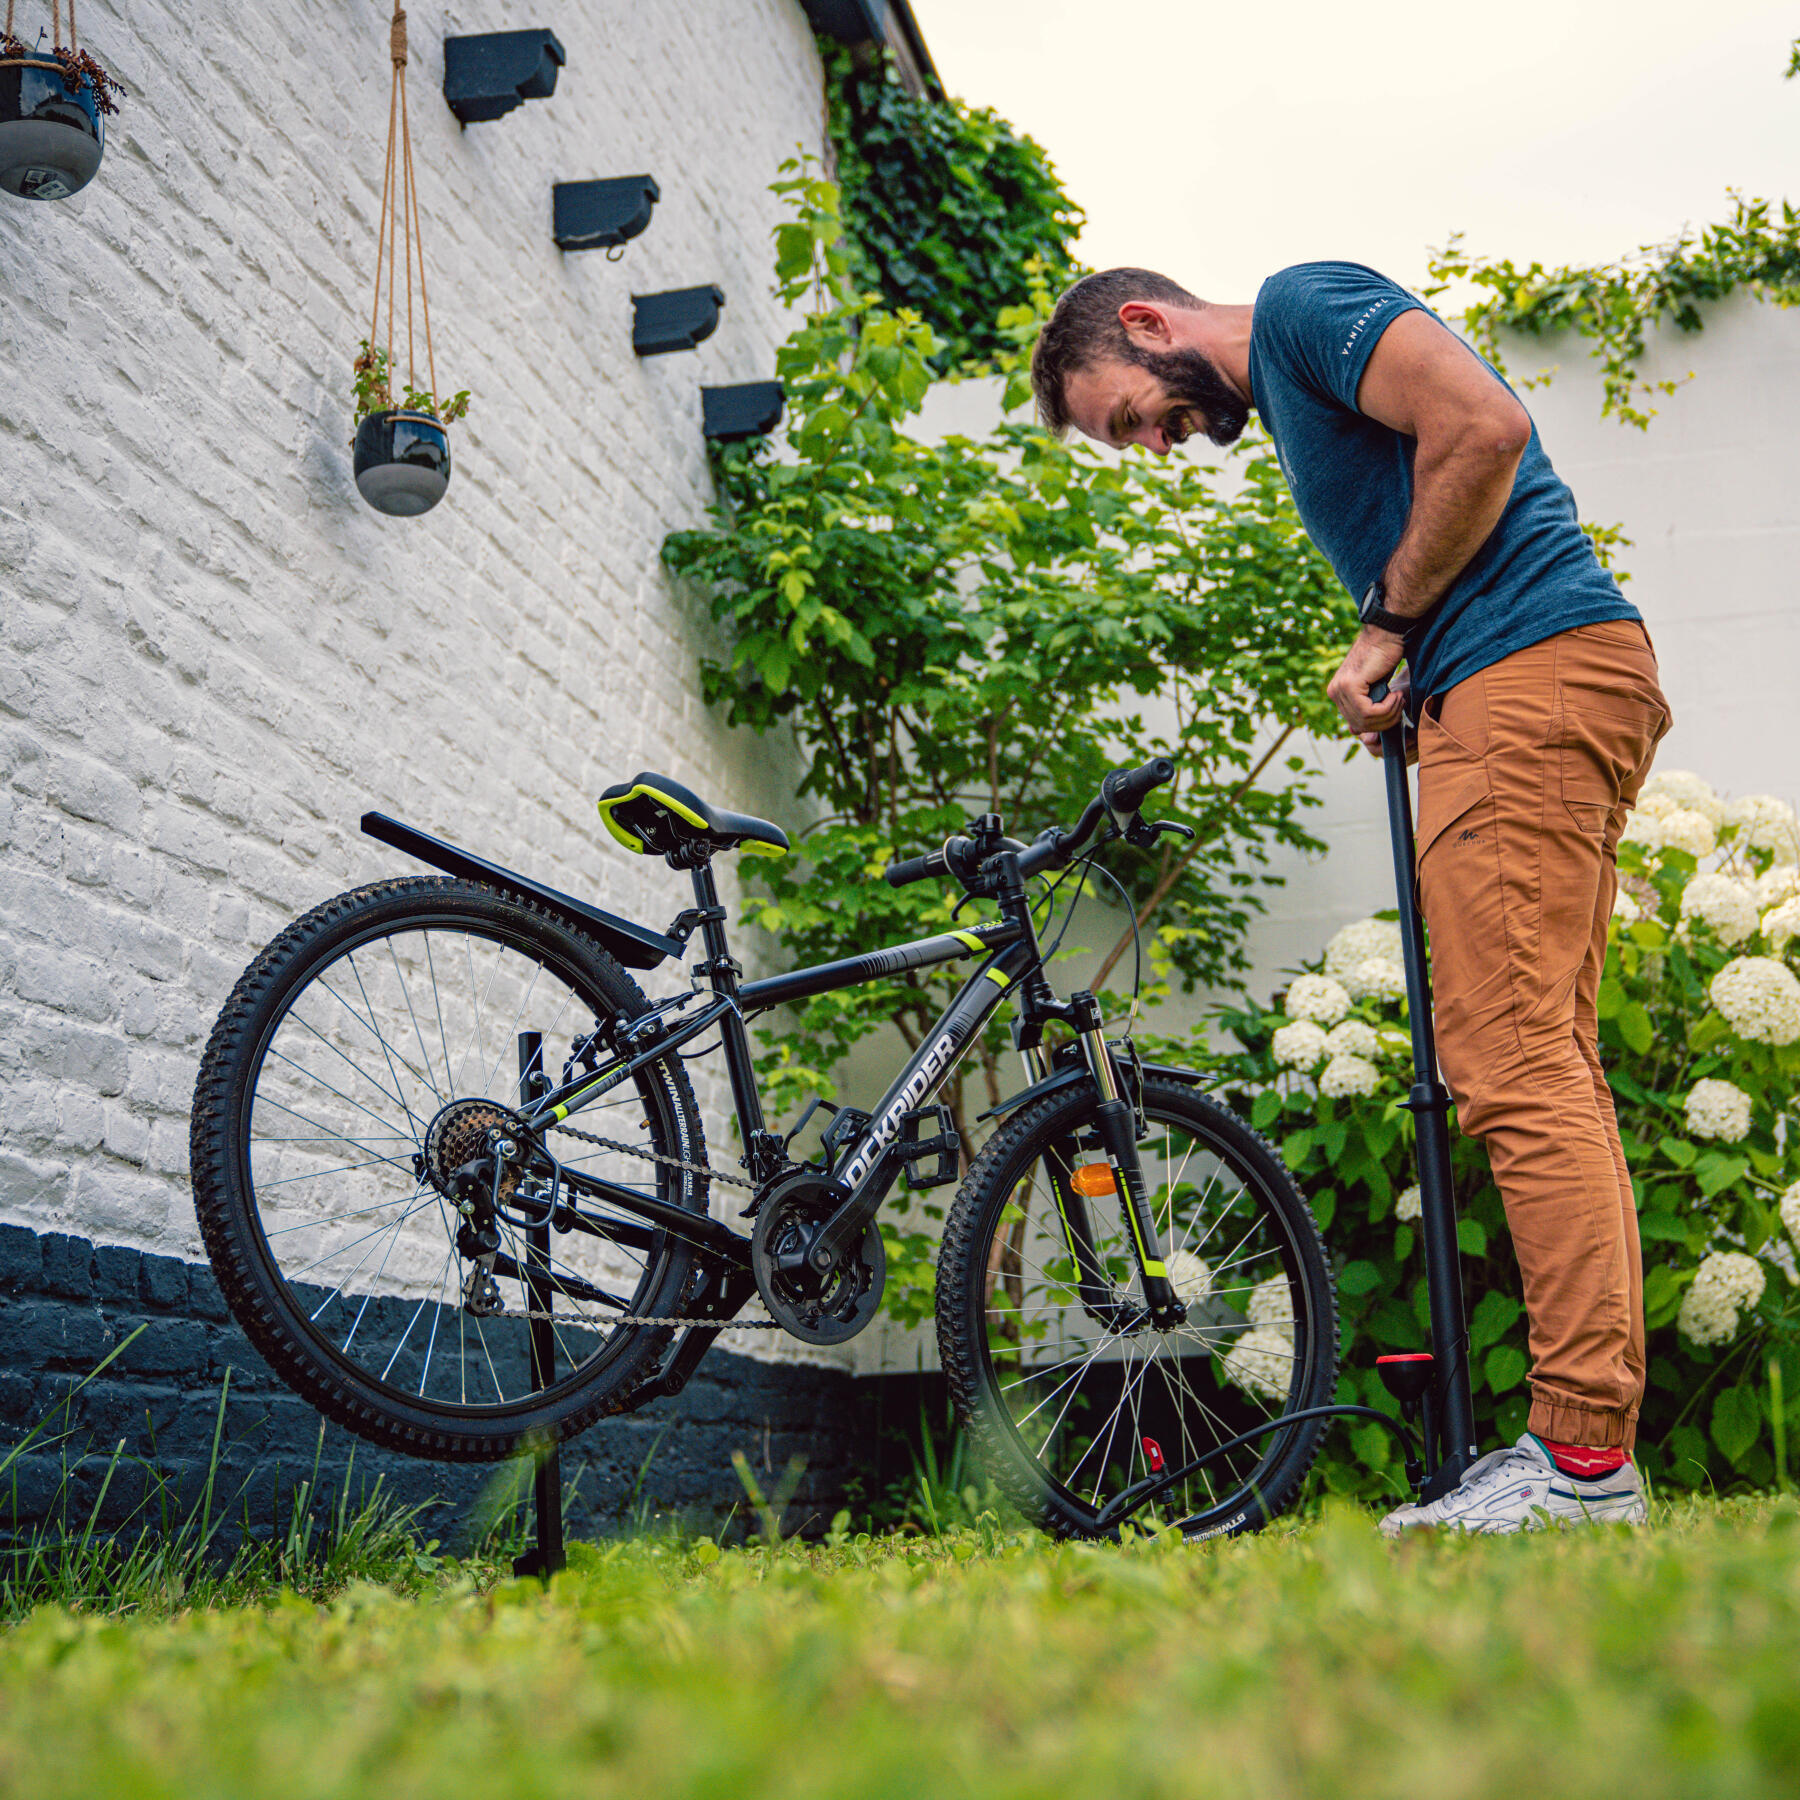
column 486, row 77
column 728, row 415
column 676, row 320
column 600, row 215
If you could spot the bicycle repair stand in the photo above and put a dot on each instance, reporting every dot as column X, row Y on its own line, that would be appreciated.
column 545, row 1557
column 1435, row 1382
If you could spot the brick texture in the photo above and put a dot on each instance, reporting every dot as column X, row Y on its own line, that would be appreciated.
column 65, row 1303
column 214, row 657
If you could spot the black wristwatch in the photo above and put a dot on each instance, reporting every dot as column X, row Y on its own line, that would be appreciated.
column 1372, row 612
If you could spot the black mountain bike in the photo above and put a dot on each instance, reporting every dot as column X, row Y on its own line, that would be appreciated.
column 459, row 1255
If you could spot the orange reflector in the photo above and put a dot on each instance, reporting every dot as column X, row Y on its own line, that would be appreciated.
column 1094, row 1181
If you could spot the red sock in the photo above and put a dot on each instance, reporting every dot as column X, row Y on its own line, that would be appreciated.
column 1583, row 1461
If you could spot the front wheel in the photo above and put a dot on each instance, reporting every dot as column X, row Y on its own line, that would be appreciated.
column 1071, row 1392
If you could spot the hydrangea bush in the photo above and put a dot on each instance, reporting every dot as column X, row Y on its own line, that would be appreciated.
column 1700, row 1033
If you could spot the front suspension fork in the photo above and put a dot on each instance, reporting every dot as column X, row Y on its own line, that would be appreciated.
column 1115, row 1123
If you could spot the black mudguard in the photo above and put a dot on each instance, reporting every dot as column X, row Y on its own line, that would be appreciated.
column 1065, row 1077
column 636, row 946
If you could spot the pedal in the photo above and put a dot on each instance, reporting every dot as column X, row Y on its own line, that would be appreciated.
column 846, row 1127
column 912, row 1147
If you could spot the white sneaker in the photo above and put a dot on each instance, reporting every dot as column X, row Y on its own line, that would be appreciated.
column 1522, row 1489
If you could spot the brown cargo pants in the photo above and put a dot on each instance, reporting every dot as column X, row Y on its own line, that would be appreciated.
column 1527, row 771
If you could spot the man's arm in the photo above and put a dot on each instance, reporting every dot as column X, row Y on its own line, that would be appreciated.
column 1471, row 433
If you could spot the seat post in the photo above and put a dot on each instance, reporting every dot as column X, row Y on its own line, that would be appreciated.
column 723, row 972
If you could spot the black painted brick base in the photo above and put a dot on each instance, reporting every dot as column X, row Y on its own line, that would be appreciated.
column 65, row 1302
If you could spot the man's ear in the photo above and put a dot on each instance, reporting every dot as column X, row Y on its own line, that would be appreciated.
column 1146, row 324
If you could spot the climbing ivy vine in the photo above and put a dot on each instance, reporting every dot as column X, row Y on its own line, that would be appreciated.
column 943, row 206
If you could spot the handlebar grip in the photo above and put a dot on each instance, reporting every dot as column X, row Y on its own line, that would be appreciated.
column 1125, row 790
column 1379, row 692
column 915, row 868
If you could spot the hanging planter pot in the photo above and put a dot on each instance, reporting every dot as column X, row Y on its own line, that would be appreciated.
column 401, row 453
column 53, row 107
column 402, row 462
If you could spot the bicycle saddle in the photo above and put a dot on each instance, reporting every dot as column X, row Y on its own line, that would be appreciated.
column 656, row 816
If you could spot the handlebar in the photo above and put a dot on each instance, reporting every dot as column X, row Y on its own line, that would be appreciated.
column 915, row 868
column 1125, row 790
column 1121, row 794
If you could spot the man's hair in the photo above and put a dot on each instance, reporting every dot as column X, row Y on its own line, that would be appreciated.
column 1085, row 328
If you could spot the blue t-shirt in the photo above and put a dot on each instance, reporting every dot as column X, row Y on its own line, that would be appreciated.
column 1312, row 332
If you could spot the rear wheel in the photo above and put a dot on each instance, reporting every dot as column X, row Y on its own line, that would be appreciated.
column 1070, row 1392
column 367, row 1053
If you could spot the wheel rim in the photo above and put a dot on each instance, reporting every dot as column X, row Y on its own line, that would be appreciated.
column 1078, row 1390
column 374, row 1042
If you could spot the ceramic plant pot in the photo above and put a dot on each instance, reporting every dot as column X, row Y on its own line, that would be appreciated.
column 402, row 462
column 51, row 135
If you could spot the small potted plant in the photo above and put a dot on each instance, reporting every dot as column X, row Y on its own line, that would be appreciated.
column 53, row 104
column 402, row 453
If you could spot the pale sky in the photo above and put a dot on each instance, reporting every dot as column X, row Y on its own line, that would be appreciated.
column 1219, row 143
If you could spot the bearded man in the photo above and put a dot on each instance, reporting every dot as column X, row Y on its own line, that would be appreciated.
column 1533, row 686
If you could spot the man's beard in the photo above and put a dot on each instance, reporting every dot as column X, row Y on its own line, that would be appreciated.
column 1193, row 381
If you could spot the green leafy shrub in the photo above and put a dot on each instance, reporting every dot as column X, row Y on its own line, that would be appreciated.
column 1700, row 1033
column 975, row 625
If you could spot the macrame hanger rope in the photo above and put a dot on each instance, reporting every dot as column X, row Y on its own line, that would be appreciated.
column 399, row 237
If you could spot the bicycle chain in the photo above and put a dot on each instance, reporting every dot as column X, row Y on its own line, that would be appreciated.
column 673, row 1162
column 656, row 1156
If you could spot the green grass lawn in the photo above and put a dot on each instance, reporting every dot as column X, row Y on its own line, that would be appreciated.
column 1314, row 1660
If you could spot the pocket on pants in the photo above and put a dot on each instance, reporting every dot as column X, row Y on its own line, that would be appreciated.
column 1602, row 739
column 1462, row 896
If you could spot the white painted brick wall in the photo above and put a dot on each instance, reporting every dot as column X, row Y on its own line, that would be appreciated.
column 213, row 655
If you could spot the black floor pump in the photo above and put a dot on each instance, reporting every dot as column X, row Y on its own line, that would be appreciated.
column 1437, row 1385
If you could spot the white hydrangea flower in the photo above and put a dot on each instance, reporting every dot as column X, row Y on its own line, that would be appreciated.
column 1345, row 1075
column 1653, row 801
column 1380, row 978
column 1722, row 902
column 1300, row 1045
column 1393, row 1042
column 1781, row 924
column 1260, row 1362
column 1625, row 909
column 1790, row 1212
column 1689, row 831
column 1759, row 999
column 1189, row 1275
column 1718, row 1109
column 1271, row 1303
column 1766, row 822
column 1316, row 997
column 1778, row 882
column 1645, row 828
column 1352, row 1038
column 1682, row 788
column 1406, row 1206
column 1726, row 1282
column 1356, row 944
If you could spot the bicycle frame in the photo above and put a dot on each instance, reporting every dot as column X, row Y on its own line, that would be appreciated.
column 1010, row 955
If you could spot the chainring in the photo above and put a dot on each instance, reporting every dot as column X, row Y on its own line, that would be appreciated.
column 817, row 1309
